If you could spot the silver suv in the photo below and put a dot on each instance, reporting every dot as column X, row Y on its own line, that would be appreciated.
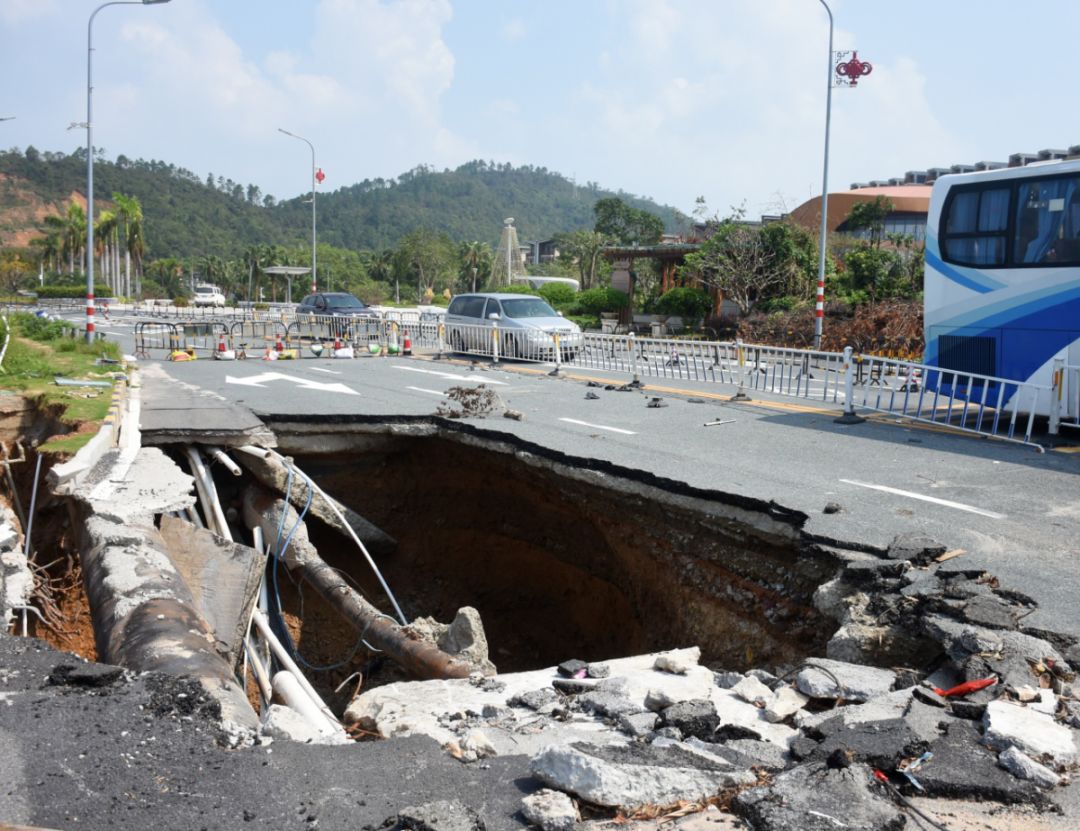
column 525, row 324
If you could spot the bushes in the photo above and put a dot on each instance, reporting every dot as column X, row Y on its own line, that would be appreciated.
column 71, row 291
column 595, row 302
column 687, row 303
column 39, row 328
column 559, row 295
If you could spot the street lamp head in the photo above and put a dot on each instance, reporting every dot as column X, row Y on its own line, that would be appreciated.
column 153, row 2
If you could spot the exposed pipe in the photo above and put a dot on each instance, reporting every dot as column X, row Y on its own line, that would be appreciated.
column 208, row 491
column 252, row 450
column 259, row 671
column 33, row 507
column 193, row 515
column 223, row 457
column 289, row 690
column 286, row 660
column 333, row 507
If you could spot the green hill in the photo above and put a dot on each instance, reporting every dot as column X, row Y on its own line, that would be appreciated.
column 189, row 215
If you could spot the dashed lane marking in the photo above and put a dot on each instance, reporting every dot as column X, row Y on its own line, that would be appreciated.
column 452, row 376
column 948, row 503
column 599, row 426
column 327, row 371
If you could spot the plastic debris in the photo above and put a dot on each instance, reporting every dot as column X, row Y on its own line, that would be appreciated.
column 967, row 687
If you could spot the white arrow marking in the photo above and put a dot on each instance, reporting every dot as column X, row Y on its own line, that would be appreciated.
column 424, row 389
column 450, row 376
column 262, row 378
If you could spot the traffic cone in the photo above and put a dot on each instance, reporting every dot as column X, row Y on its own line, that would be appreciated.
column 223, row 353
column 278, row 345
column 406, row 347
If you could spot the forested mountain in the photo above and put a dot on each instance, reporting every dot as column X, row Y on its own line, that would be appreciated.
column 188, row 215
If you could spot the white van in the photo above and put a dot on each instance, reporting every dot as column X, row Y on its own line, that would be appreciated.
column 208, row 295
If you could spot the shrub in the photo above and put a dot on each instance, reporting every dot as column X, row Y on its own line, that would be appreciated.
column 596, row 301
column 521, row 288
column 585, row 321
column 559, row 295
column 71, row 291
column 785, row 303
column 180, row 302
column 40, row 328
column 691, row 304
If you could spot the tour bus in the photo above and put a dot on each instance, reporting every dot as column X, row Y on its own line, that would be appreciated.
column 1002, row 277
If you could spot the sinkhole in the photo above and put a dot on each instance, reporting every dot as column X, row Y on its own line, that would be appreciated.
column 562, row 557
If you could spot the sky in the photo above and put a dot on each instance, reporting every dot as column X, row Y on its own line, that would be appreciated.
column 670, row 99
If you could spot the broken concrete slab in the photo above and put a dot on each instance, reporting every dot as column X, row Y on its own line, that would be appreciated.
column 550, row 810
column 963, row 768
column 463, row 637
column 633, row 775
column 753, row 691
column 915, row 548
column 222, row 576
column 1022, row 766
column 152, row 484
column 786, row 702
column 880, row 744
column 814, row 798
column 825, row 678
column 697, row 718
column 678, row 662
column 1013, row 725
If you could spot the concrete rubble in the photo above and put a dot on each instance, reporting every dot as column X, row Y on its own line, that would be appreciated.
column 16, row 579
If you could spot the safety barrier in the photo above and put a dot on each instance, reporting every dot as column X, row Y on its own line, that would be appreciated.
column 966, row 401
column 151, row 335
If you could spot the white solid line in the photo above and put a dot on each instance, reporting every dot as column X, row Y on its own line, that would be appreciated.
column 328, row 371
column 424, row 389
column 599, row 426
column 960, row 506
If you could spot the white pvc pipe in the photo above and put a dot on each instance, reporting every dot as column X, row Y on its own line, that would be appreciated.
column 289, row 690
column 252, row 450
column 193, row 515
column 223, row 457
column 286, row 660
column 209, row 492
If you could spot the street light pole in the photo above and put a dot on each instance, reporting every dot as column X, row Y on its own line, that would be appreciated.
column 819, row 307
column 90, row 156
column 312, row 146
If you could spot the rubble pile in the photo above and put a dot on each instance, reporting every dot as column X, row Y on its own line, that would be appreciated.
column 992, row 713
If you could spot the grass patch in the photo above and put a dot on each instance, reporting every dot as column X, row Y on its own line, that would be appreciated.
column 40, row 350
column 68, row 445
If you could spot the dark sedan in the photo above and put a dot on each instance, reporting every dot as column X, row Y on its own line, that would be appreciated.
column 335, row 303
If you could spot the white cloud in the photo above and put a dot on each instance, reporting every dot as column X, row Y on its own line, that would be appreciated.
column 514, row 29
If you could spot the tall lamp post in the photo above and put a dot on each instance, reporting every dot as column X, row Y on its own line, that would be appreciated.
column 819, row 306
column 90, row 156
column 312, row 146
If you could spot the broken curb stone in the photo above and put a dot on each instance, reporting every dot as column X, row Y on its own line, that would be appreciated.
column 1022, row 766
column 825, row 678
column 551, row 810
column 634, row 775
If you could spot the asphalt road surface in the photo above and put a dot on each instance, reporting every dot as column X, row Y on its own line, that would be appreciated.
column 1015, row 511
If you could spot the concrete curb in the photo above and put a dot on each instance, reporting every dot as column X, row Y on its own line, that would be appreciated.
column 67, row 474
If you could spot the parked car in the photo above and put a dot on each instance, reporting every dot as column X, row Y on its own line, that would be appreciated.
column 526, row 326
column 336, row 304
column 208, row 295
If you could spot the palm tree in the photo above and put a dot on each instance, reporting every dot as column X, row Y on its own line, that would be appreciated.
column 52, row 243
column 74, row 234
column 130, row 212
column 476, row 259
column 382, row 269
column 105, row 231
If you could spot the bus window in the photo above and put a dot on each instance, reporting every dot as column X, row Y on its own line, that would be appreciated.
column 1048, row 222
column 975, row 227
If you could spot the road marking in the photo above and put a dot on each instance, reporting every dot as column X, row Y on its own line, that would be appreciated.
column 960, row 506
column 263, row 378
column 599, row 426
column 425, row 389
column 450, row 376
column 328, row 371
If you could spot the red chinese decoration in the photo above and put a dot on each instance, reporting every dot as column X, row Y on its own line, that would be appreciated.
column 319, row 175
column 850, row 71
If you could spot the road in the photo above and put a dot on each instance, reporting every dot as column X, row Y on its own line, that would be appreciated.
column 1016, row 512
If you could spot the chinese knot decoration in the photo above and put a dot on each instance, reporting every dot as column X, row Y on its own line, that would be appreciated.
column 319, row 175
column 848, row 72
